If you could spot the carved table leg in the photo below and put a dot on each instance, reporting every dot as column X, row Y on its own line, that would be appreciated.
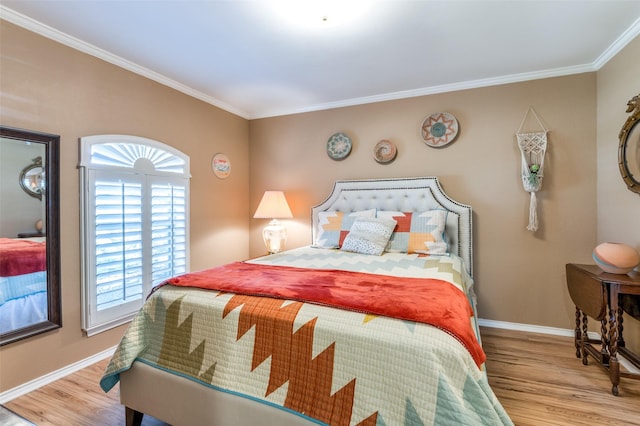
column 606, row 342
column 614, row 367
column 132, row 417
column 585, row 336
column 577, row 340
column 620, row 328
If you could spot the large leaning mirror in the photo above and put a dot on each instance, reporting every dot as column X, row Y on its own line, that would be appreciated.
column 29, row 234
column 629, row 148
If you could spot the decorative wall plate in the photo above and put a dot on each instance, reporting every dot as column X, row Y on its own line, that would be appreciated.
column 221, row 166
column 338, row 146
column 384, row 151
column 439, row 129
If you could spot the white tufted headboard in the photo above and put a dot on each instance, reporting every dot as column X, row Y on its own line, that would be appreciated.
column 407, row 195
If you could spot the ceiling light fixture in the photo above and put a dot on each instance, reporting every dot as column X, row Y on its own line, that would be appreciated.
column 319, row 13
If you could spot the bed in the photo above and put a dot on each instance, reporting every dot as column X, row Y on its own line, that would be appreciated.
column 334, row 333
column 23, row 283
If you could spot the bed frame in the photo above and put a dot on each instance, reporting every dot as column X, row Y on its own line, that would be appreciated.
column 179, row 401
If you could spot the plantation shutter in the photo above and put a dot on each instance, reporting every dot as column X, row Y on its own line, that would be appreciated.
column 168, row 231
column 118, row 246
column 135, row 227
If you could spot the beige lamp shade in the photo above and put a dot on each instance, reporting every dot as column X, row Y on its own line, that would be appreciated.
column 274, row 206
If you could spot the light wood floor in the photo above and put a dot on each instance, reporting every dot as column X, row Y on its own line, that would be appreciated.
column 539, row 381
column 537, row 378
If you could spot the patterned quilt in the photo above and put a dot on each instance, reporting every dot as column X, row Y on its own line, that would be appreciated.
column 332, row 366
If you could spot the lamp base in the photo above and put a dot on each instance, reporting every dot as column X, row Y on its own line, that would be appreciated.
column 274, row 236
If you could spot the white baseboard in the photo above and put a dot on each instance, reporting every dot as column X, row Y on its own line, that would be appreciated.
column 34, row 384
column 10, row 394
column 529, row 328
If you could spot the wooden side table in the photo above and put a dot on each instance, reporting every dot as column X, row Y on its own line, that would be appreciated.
column 596, row 294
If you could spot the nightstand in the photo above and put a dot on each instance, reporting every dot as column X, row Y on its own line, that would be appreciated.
column 596, row 294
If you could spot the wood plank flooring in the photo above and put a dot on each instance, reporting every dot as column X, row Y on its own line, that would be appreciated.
column 537, row 378
column 75, row 400
column 539, row 381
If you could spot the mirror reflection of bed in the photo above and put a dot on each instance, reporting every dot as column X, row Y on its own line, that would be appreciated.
column 23, row 282
column 23, row 266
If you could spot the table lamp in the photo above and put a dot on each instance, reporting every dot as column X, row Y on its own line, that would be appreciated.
column 273, row 206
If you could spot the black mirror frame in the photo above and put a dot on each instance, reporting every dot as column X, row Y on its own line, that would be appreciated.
column 52, row 208
column 633, row 107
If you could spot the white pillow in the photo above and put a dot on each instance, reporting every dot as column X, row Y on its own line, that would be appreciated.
column 369, row 235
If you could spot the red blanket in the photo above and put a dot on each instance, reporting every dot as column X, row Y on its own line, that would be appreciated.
column 18, row 257
column 429, row 301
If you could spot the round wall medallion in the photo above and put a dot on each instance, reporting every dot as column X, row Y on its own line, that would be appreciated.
column 439, row 129
column 384, row 151
column 221, row 166
column 338, row 146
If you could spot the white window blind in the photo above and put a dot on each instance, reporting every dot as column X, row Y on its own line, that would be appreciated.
column 135, row 224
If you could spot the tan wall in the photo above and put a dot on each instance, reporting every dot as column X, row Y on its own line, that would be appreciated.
column 48, row 87
column 618, row 208
column 519, row 275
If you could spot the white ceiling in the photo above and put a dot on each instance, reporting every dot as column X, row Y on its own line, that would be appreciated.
column 247, row 58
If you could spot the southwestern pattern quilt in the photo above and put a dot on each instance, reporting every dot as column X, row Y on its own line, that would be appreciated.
column 332, row 366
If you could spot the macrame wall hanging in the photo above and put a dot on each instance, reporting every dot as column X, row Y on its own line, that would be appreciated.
column 533, row 146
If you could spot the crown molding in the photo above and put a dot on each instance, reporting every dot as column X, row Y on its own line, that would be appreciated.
column 615, row 47
column 75, row 43
column 432, row 90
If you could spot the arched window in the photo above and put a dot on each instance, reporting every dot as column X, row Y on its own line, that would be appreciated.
column 134, row 225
